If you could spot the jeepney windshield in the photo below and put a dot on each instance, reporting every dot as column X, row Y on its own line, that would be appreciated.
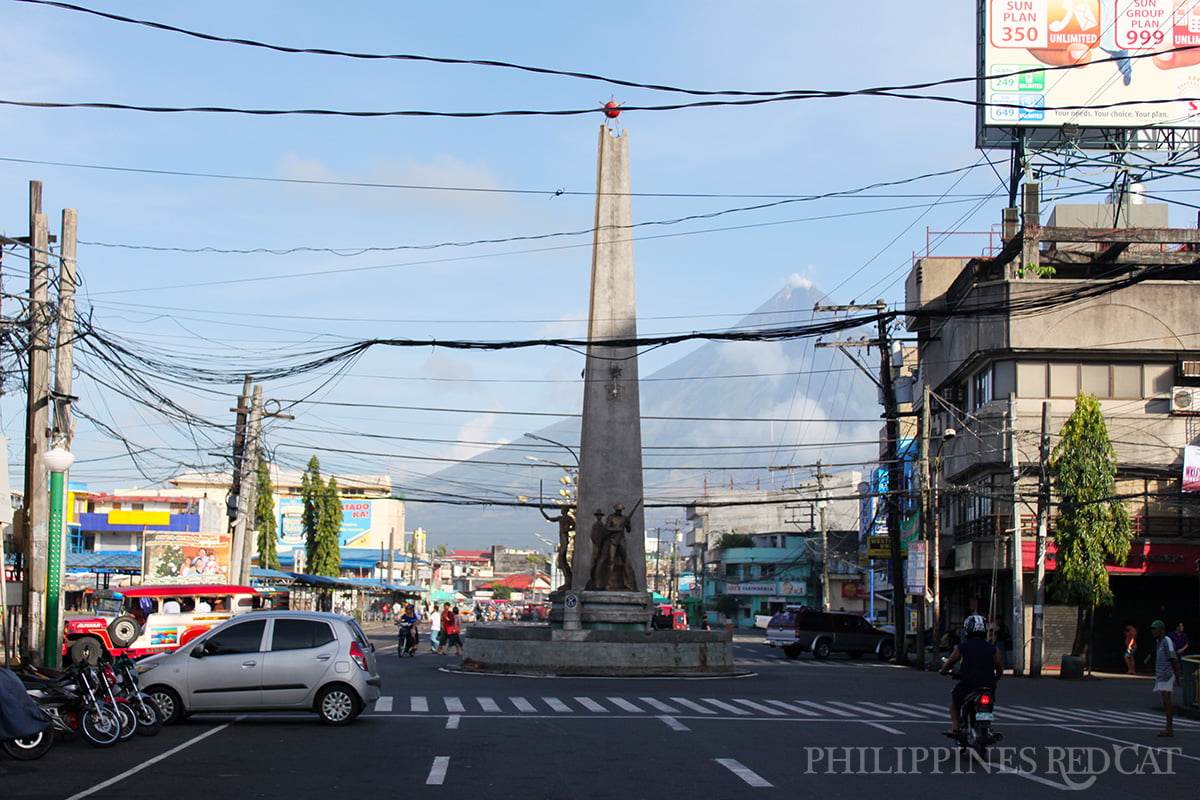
column 109, row 605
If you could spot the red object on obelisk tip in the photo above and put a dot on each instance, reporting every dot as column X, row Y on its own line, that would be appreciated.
column 612, row 109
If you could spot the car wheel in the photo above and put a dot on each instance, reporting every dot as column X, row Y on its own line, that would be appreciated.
column 886, row 651
column 86, row 650
column 123, row 630
column 821, row 649
column 168, row 702
column 792, row 650
column 337, row 705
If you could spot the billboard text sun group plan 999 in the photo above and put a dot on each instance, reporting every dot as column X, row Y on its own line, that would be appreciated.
column 1127, row 51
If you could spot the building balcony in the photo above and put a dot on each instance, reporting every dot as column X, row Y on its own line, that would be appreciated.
column 998, row 525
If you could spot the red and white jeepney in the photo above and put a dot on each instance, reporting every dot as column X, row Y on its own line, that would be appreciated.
column 140, row 620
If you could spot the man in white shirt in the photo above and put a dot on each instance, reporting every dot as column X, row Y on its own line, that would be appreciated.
column 435, row 632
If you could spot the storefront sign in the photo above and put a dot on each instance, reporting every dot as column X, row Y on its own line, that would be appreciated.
column 752, row 588
column 1191, row 468
column 914, row 576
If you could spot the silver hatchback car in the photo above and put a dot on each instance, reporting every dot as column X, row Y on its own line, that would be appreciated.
column 268, row 661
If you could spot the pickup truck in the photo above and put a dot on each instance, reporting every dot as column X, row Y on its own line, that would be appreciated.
column 797, row 629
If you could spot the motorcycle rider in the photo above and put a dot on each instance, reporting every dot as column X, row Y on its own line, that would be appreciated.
column 411, row 618
column 981, row 666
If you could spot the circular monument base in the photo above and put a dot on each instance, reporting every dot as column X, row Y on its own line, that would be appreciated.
column 601, row 610
column 543, row 650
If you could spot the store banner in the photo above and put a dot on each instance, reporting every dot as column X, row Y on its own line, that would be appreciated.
column 1191, row 468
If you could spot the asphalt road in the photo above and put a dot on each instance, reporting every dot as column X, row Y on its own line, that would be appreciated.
column 838, row 728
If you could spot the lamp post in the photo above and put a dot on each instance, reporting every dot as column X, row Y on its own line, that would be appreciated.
column 574, row 455
column 58, row 461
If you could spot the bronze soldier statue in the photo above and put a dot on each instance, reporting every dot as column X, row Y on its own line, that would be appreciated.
column 566, row 526
column 611, row 569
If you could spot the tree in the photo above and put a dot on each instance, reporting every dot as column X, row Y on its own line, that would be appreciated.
column 502, row 592
column 321, row 526
column 264, row 519
column 731, row 540
column 1093, row 526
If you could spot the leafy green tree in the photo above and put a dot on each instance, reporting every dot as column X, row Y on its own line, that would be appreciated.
column 1093, row 526
column 502, row 592
column 321, row 528
column 732, row 540
column 264, row 519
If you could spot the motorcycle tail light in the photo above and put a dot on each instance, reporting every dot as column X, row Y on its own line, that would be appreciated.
column 985, row 700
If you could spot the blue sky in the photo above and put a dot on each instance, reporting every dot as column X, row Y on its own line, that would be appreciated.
column 691, row 276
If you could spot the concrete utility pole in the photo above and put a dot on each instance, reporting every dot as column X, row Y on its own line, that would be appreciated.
column 64, row 358
column 237, row 497
column 1017, row 556
column 826, row 600
column 250, row 487
column 927, row 512
column 37, row 499
column 1037, row 645
column 895, row 481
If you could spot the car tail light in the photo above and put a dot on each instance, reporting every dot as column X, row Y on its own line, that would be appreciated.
column 360, row 658
column 985, row 700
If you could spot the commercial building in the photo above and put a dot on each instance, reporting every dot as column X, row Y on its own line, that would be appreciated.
column 1077, row 306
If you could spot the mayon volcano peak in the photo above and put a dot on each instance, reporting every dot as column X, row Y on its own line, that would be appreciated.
column 727, row 413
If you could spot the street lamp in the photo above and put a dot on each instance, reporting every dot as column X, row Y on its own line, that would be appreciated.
column 58, row 461
column 551, row 441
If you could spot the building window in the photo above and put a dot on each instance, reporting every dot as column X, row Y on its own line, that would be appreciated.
column 1064, row 380
column 1031, row 379
column 981, row 387
column 1093, row 379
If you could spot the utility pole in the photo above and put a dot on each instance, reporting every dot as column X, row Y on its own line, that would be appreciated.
column 391, row 559
column 1018, row 567
column 927, row 512
column 825, row 598
column 887, row 387
column 1037, row 646
column 249, row 493
column 236, row 504
column 64, row 358
column 36, row 517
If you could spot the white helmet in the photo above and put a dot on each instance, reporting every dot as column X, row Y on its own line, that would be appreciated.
column 975, row 624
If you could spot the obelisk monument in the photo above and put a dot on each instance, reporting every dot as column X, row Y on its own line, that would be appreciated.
column 609, row 551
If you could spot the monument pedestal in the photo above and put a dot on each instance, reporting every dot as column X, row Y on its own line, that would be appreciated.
column 603, row 611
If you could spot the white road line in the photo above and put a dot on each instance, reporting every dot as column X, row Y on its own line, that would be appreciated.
column 793, row 708
column 625, row 705
column 152, row 761
column 857, row 709
column 557, row 705
column 488, row 705
column 883, row 727
column 383, row 705
column 907, row 710
column 1065, row 787
column 658, row 705
column 454, row 705
column 523, row 705
column 591, row 705
column 419, row 705
column 1177, row 753
column 693, row 706
column 673, row 723
column 724, row 706
column 437, row 773
column 879, row 707
column 452, row 722
column 826, row 709
column 774, row 712
column 745, row 773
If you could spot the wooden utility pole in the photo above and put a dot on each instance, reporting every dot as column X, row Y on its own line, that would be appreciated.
column 1037, row 644
column 36, row 517
column 895, row 481
column 236, row 505
column 250, row 486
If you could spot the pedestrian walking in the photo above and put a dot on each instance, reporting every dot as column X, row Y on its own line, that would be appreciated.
column 1130, row 648
column 1166, row 672
column 435, row 631
column 451, row 629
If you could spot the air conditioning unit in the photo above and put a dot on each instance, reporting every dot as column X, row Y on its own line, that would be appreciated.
column 1185, row 399
column 1189, row 369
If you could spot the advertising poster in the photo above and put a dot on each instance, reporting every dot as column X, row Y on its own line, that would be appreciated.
column 185, row 557
column 356, row 521
column 1191, row 468
column 1126, row 51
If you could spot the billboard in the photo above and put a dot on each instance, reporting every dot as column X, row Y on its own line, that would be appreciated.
column 1124, row 52
column 356, row 521
column 185, row 557
column 1191, row 468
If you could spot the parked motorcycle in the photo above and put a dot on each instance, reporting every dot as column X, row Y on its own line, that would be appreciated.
column 98, row 677
column 26, row 732
column 123, row 677
column 72, row 704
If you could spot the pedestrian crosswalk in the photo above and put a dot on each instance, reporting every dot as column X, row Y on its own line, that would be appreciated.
column 747, row 655
column 750, row 708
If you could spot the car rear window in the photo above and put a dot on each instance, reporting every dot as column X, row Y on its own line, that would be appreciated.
column 784, row 619
column 300, row 634
column 358, row 632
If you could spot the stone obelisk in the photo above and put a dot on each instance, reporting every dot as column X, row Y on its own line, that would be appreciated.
column 611, row 436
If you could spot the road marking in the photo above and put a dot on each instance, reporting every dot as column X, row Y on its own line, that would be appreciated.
column 693, row 706
column 883, row 727
column 152, row 761
column 673, row 723
column 745, row 773
column 556, row 705
column 383, row 705
column 591, row 705
column 1064, row 787
column 420, row 704
column 625, row 705
column 437, row 773
column 454, row 705
column 826, row 709
column 1175, row 751
column 452, row 722
column 794, row 708
column 774, row 712
column 907, row 710
column 857, row 709
column 657, row 705
column 488, row 705
column 879, row 707
column 523, row 705
column 724, row 706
